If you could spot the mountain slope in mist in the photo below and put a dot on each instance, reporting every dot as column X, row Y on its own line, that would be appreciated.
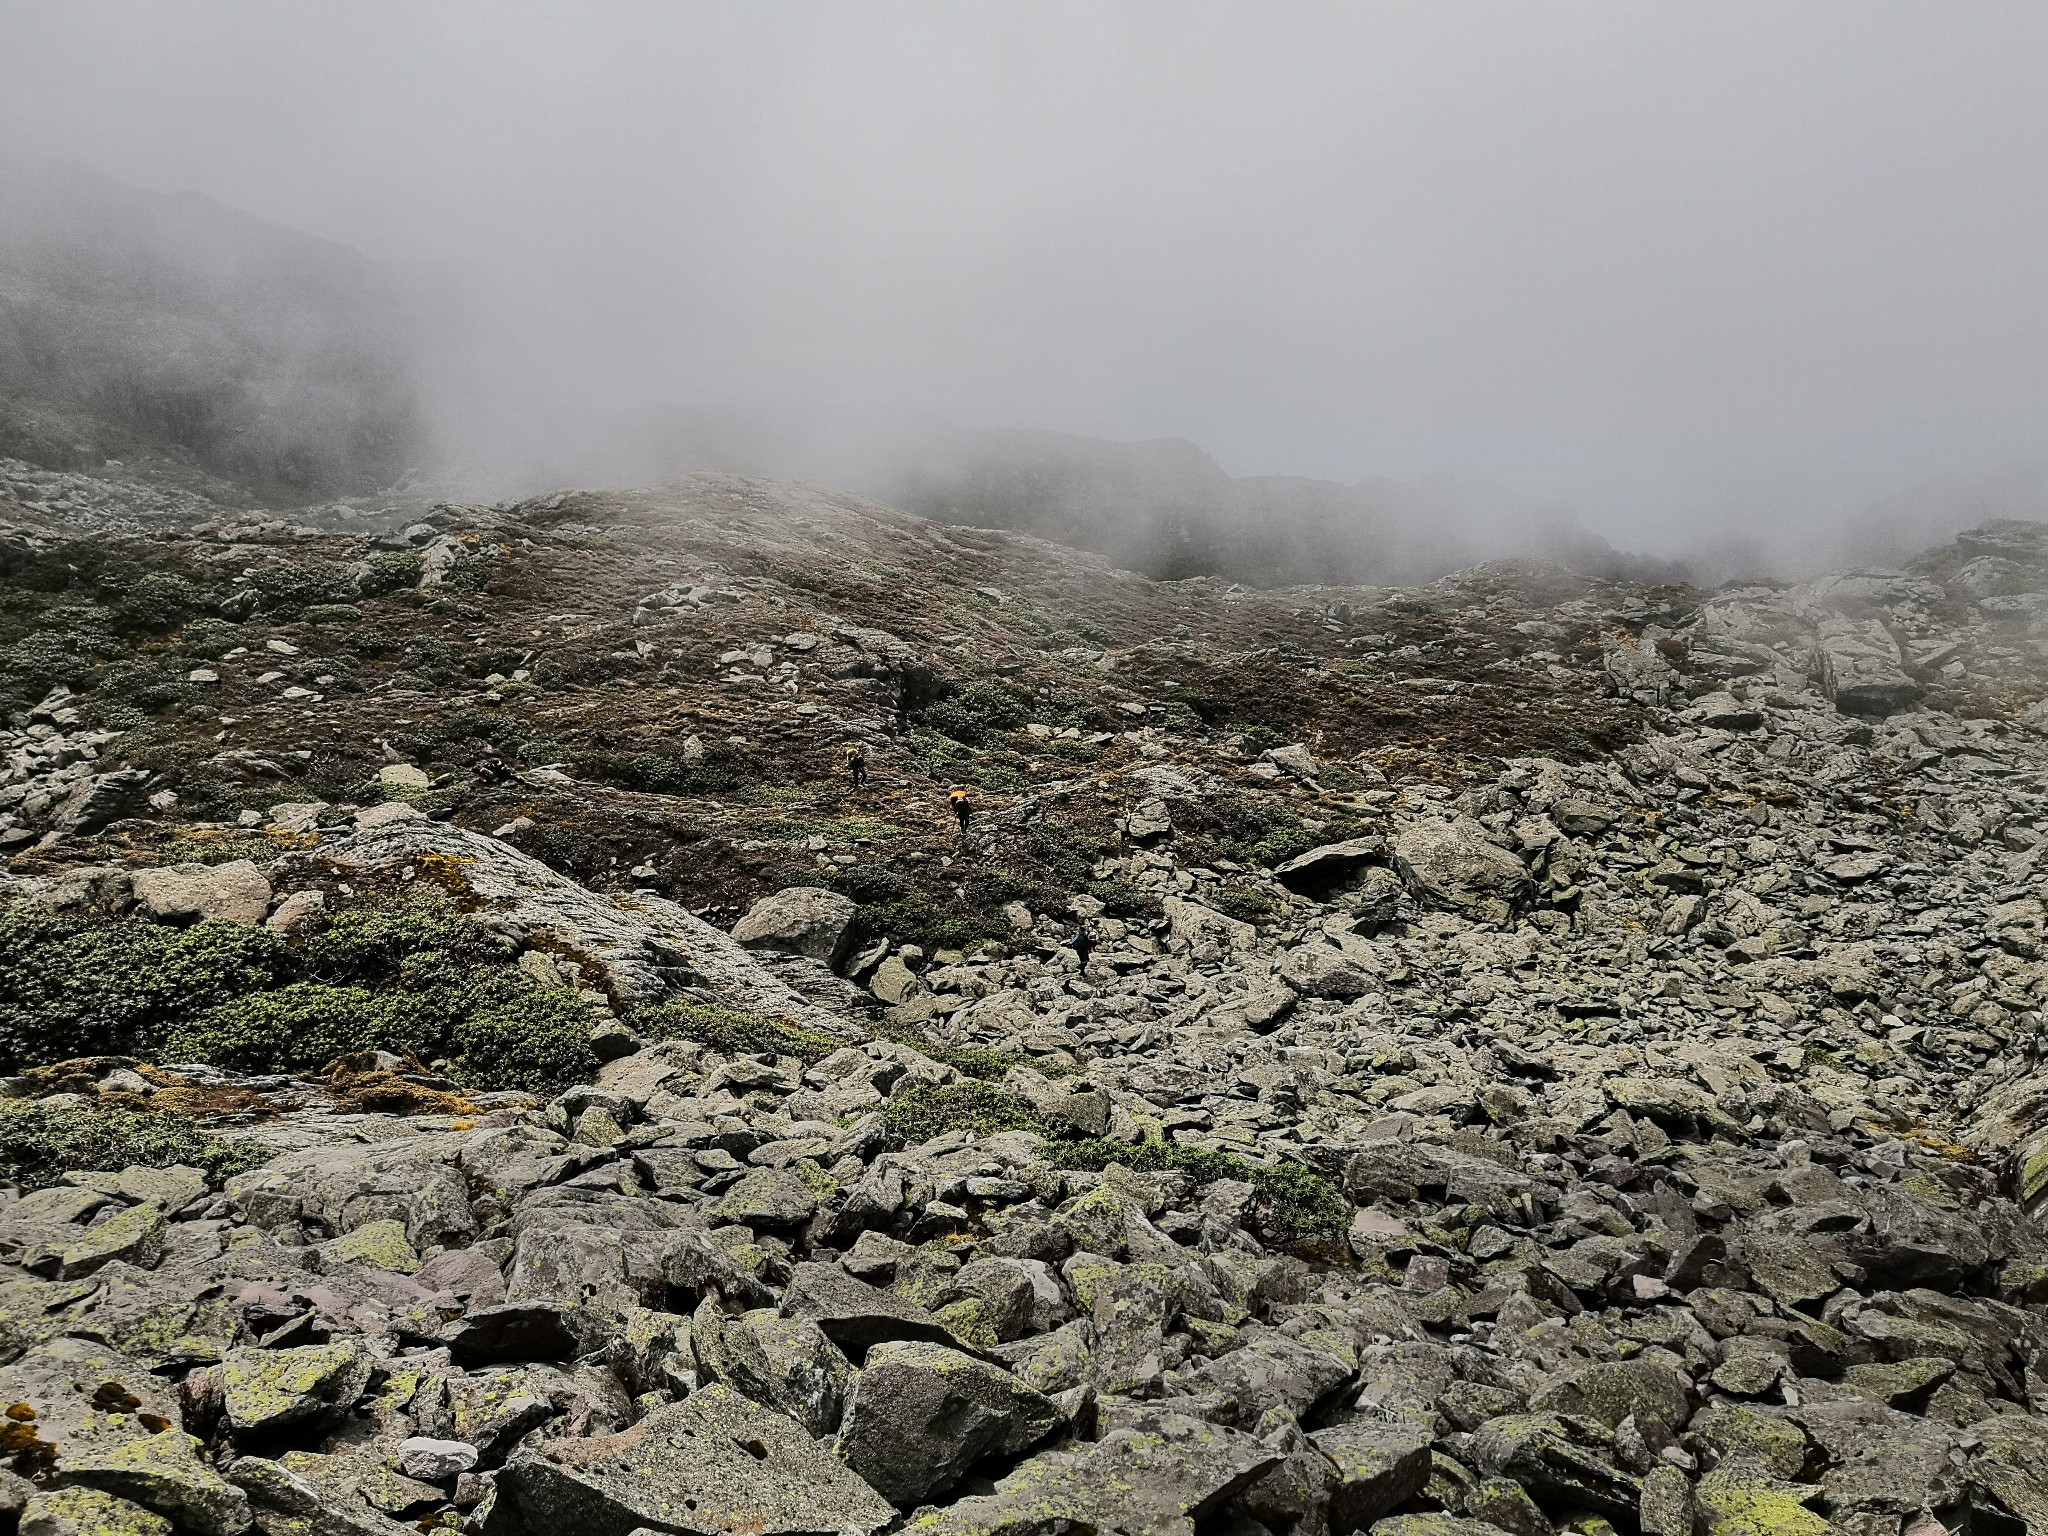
column 1168, row 509
column 261, row 351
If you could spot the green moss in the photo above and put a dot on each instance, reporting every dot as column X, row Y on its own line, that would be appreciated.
column 41, row 1141
column 731, row 1032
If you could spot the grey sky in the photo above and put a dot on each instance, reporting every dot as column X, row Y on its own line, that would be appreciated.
column 1664, row 262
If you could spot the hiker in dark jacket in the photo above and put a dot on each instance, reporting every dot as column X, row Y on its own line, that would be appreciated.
column 1083, row 944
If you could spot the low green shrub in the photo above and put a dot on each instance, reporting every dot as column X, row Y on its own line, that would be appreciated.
column 731, row 1032
column 918, row 1114
column 302, row 1027
column 210, row 638
column 425, row 936
column 332, row 613
column 40, row 1142
column 80, row 987
column 1244, row 903
column 157, row 602
column 1122, row 897
column 290, row 588
column 1293, row 1204
column 412, row 976
column 389, row 570
column 1280, row 845
column 976, row 713
column 537, row 1040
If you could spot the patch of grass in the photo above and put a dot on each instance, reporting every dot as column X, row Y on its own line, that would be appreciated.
column 1294, row 1204
column 219, row 850
column 845, row 829
column 41, row 1142
column 731, row 1032
column 993, row 768
column 722, row 770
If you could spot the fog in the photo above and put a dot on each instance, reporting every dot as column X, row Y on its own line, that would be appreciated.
column 1703, row 277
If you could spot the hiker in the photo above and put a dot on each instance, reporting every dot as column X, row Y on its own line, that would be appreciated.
column 856, row 764
column 963, row 809
column 1082, row 944
column 492, row 770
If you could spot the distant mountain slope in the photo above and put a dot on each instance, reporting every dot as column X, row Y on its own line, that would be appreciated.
column 264, row 352
column 1168, row 509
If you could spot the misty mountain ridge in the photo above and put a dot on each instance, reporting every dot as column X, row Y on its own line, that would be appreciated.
column 183, row 331
column 262, row 352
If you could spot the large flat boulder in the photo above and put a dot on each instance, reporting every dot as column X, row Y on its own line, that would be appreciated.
column 713, row 1465
column 1455, row 864
column 99, row 1420
column 800, row 920
column 922, row 1414
column 186, row 893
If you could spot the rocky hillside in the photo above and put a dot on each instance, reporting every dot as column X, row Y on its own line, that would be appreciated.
column 1556, row 1054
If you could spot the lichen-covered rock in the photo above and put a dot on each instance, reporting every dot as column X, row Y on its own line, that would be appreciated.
column 265, row 1390
column 801, row 920
column 1378, row 1468
column 1157, row 1478
column 713, row 1465
column 98, row 1420
column 786, row 1363
column 1456, row 864
column 922, row 1414
column 87, row 1512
